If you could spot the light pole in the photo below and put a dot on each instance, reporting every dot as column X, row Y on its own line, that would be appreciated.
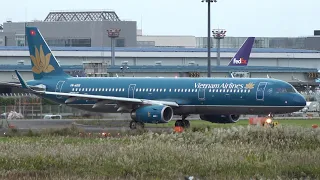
column 113, row 34
column 218, row 34
column 209, row 35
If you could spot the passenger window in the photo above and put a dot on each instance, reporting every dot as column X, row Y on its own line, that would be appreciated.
column 164, row 90
column 192, row 90
column 169, row 90
column 99, row 89
column 195, row 90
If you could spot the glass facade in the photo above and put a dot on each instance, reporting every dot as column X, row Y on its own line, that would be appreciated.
column 146, row 43
column 120, row 42
column 260, row 42
column 69, row 42
column 20, row 40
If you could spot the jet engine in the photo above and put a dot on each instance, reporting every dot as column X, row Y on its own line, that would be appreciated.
column 230, row 118
column 152, row 114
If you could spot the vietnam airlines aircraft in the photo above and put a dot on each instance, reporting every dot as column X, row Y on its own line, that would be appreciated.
column 156, row 100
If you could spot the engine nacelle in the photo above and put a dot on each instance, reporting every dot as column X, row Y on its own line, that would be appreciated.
column 152, row 114
column 230, row 118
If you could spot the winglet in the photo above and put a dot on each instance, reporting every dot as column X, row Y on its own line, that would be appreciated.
column 23, row 83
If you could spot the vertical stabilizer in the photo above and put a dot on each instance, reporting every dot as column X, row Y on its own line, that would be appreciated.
column 242, row 56
column 42, row 60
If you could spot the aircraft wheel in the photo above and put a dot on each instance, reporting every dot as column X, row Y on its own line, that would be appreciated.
column 182, row 123
column 133, row 125
column 179, row 123
column 186, row 124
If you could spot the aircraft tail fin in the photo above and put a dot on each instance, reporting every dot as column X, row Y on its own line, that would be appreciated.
column 43, row 61
column 241, row 58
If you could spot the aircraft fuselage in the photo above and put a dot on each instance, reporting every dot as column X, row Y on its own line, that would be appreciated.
column 194, row 95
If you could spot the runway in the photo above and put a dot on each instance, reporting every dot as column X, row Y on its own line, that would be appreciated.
column 43, row 124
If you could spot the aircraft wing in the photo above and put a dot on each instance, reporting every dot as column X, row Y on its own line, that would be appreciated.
column 105, row 99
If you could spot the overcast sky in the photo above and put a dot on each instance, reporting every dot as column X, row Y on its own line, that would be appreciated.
column 270, row 18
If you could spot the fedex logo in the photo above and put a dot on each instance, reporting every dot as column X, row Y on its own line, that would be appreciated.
column 239, row 61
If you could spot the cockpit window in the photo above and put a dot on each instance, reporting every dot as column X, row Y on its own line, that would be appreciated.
column 285, row 90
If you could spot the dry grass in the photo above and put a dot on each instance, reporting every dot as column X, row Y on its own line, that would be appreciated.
column 232, row 153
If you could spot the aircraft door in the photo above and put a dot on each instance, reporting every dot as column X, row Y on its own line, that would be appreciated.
column 260, row 91
column 59, row 88
column 131, row 89
column 201, row 94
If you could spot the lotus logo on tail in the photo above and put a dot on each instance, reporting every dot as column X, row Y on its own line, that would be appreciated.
column 41, row 61
column 239, row 61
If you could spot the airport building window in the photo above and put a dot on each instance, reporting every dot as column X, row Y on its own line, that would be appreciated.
column 69, row 42
column 120, row 42
column 20, row 40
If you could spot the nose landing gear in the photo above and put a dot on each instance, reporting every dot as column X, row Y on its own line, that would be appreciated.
column 269, row 121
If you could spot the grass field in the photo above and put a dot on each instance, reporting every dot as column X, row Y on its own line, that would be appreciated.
column 238, row 152
column 202, row 124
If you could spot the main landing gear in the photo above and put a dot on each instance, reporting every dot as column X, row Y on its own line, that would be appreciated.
column 136, row 125
column 182, row 123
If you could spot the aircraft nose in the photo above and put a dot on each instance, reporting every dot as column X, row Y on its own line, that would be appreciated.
column 299, row 100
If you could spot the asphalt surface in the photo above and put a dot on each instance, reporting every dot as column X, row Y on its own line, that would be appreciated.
column 42, row 124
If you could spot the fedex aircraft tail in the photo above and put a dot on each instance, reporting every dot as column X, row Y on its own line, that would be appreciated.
column 242, row 56
column 42, row 60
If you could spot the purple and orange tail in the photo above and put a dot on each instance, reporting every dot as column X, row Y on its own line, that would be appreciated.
column 242, row 56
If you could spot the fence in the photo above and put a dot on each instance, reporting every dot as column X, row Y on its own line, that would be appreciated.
column 39, row 111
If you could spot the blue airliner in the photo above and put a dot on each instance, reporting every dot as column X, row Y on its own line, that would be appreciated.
column 156, row 100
